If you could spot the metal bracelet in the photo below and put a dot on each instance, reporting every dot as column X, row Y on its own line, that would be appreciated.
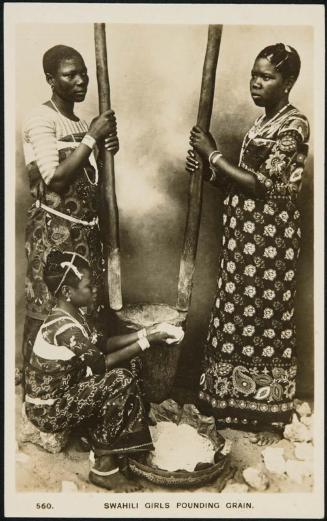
column 141, row 333
column 143, row 343
column 89, row 141
column 214, row 155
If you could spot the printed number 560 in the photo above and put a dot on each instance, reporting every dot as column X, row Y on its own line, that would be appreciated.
column 44, row 506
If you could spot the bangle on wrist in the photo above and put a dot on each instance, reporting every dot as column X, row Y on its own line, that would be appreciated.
column 213, row 157
column 141, row 333
column 89, row 141
column 143, row 343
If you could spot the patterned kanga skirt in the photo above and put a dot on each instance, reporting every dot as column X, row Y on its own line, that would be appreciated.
column 249, row 366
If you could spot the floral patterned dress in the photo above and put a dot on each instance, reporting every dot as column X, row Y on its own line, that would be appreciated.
column 250, row 366
column 66, row 221
column 67, row 386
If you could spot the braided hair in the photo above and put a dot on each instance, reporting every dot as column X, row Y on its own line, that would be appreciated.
column 54, row 56
column 63, row 268
column 284, row 58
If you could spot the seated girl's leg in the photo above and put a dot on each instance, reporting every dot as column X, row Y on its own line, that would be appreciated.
column 136, row 368
column 120, row 425
column 120, row 429
column 107, row 473
column 113, row 409
column 109, row 403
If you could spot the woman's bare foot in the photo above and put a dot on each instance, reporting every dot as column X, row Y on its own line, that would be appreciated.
column 117, row 482
column 265, row 438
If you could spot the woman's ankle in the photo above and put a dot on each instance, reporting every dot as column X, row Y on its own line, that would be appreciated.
column 105, row 462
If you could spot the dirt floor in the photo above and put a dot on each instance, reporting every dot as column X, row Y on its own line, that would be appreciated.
column 38, row 470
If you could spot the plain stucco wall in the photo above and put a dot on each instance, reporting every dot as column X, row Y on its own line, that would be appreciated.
column 155, row 74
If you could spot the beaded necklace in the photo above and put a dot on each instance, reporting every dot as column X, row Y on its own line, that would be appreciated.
column 254, row 131
column 95, row 182
column 84, row 324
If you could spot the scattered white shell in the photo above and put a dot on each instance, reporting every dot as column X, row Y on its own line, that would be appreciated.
column 304, row 451
column 68, row 486
column 296, row 470
column 307, row 420
column 256, row 478
column 273, row 459
column 236, row 488
column 303, row 408
column 297, row 431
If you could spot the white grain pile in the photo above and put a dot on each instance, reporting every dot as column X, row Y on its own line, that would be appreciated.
column 179, row 447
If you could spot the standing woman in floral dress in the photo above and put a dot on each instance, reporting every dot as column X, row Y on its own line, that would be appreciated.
column 250, row 365
column 60, row 153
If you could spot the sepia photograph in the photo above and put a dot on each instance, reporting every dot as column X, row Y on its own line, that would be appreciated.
column 164, row 260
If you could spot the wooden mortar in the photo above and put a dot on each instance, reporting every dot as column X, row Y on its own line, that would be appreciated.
column 160, row 361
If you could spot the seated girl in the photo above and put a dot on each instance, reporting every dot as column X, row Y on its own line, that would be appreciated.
column 75, row 377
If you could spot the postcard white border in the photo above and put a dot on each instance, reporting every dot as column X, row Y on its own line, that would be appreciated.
column 83, row 505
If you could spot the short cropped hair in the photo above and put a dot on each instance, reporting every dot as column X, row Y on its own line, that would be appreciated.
column 54, row 56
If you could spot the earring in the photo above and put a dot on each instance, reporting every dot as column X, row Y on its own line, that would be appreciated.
column 286, row 91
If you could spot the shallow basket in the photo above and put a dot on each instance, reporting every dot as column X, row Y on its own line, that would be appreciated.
column 171, row 411
column 180, row 478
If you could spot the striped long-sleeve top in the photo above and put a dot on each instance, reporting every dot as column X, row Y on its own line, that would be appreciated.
column 49, row 138
column 45, row 132
column 58, row 220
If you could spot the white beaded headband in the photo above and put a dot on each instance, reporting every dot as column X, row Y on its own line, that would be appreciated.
column 70, row 266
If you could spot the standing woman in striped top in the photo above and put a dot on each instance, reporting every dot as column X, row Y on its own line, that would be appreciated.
column 60, row 153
